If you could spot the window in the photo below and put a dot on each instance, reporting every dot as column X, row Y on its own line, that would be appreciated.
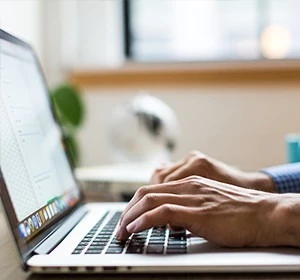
column 211, row 30
column 23, row 19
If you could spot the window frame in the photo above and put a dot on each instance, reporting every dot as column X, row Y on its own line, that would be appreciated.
column 126, row 30
column 127, row 37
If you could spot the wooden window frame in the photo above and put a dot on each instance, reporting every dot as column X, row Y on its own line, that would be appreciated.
column 189, row 74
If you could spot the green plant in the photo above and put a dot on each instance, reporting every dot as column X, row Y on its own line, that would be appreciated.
column 70, row 111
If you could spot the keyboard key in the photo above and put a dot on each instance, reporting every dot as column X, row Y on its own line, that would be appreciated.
column 135, row 250
column 143, row 233
column 98, row 243
column 80, row 247
column 176, row 242
column 159, row 228
column 181, row 238
column 157, row 238
column 114, row 250
column 176, row 251
column 141, row 241
column 76, row 252
column 98, row 247
column 158, row 234
column 176, row 246
column 83, row 243
column 93, row 252
column 104, row 235
column 156, row 242
column 86, row 239
column 177, row 233
column 155, row 249
column 102, row 239
column 139, row 237
column 134, row 243
column 115, row 246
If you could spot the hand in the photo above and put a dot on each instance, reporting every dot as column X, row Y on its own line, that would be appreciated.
column 224, row 214
column 196, row 163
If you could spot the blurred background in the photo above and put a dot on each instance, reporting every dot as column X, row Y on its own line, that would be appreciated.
column 229, row 70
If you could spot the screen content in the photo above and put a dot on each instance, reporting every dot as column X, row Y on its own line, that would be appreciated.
column 32, row 158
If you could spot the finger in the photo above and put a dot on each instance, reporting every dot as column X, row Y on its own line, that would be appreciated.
column 151, row 201
column 177, row 215
column 160, row 174
column 170, row 187
column 174, row 228
column 182, row 172
column 163, row 166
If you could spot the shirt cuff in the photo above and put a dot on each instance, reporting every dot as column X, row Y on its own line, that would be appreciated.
column 286, row 177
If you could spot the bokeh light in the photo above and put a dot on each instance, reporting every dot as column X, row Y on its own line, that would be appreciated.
column 275, row 42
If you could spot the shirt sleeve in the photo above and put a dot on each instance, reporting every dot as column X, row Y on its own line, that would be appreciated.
column 286, row 177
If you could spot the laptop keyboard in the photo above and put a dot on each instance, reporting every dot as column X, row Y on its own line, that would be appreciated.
column 158, row 240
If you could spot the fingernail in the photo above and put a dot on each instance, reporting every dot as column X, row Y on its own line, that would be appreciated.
column 131, row 227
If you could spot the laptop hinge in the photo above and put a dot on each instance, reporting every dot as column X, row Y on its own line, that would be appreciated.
column 54, row 239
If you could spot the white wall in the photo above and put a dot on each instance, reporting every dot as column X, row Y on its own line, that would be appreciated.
column 81, row 34
column 243, row 125
column 23, row 18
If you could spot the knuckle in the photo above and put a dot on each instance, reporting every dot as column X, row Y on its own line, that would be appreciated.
column 167, row 210
column 193, row 179
column 158, row 175
column 142, row 191
column 193, row 153
column 149, row 198
column 193, row 182
column 158, row 170
column 201, row 161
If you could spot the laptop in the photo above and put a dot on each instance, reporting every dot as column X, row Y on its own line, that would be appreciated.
column 53, row 229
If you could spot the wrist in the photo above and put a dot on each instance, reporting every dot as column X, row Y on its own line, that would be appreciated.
column 260, row 181
column 284, row 225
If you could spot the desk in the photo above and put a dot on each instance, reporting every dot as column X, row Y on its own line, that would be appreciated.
column 10, row 269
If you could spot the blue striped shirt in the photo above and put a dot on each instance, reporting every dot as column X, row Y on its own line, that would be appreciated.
column 286, row 177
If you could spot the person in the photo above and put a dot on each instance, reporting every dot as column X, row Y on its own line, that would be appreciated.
column 219, row 203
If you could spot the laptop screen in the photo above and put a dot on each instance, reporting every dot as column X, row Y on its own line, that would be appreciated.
column 37, row 175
